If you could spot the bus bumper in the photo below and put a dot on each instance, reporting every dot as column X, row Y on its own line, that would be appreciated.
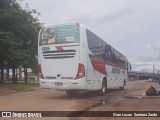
column 64, row 85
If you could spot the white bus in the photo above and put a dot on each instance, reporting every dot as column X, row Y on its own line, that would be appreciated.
column 72, row 58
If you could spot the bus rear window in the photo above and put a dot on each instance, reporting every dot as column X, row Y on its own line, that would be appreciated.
column 60, row 34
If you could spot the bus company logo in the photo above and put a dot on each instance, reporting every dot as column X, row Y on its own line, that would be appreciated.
column 6, row 114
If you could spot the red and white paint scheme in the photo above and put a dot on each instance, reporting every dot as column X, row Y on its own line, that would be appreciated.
column 72, row 58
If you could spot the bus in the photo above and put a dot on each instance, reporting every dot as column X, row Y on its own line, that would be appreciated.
column 72, row 58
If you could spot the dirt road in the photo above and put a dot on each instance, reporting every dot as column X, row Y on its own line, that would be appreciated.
column 129, row 99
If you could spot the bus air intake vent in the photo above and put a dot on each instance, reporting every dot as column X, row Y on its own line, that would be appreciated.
column 59, row 54
column 48, row 77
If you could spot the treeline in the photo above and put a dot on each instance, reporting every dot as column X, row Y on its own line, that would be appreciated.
column 18, row 38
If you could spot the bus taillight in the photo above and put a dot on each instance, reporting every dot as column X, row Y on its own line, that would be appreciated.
column 81, row 71
column 40, row 72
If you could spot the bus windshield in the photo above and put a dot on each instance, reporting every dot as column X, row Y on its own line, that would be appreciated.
column 60, row 34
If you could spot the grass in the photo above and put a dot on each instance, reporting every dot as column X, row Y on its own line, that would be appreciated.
column 20, row 86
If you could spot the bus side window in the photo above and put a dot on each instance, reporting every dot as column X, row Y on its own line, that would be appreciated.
column 108, row 53
column 114, row 56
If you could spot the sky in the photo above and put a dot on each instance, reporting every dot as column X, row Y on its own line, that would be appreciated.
column 127, row 25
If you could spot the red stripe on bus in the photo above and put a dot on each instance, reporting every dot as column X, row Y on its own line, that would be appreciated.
column 98, row 65
column 59, row 43
column 61, row 47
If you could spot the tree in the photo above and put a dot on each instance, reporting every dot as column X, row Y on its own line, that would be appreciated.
column 8, row 51
column 18, row 36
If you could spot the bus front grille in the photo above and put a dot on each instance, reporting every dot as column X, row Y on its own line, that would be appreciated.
column 59, row 54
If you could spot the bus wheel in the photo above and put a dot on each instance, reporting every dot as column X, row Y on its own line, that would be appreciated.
column 124, row 84
column 103, row 89
column 72, row 92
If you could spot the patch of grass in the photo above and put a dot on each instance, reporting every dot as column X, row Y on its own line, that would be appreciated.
column 21, row 86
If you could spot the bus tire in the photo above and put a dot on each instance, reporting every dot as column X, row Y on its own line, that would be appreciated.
column 124, row 84
column 72, row 92
column 103, row 89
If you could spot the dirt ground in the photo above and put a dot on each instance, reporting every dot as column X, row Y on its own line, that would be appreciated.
column 5, row 91
column 136, row 100
column 132, row 98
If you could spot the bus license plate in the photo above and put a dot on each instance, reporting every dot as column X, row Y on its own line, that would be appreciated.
column 58, row 83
